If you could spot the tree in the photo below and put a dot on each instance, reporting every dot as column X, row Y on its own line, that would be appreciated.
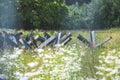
column 97, row 14
column 44, row 14
column 110, row 13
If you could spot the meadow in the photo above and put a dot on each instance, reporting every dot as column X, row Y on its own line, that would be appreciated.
column 74, row 61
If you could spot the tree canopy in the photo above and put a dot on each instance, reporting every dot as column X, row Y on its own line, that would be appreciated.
column 42, row 14
column 59, row 14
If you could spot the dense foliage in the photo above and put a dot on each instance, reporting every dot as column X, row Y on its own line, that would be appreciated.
column 97, row 14
column 30, row 14
column 110, row 13
column 59, row 14
column 42, row 14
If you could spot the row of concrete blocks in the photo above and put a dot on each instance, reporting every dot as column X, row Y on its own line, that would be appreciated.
column 30, row 41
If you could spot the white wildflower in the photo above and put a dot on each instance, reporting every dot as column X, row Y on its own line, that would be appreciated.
column 62, row 49
column 49, row 49
column 36, row 79
column 23, row 78
column 114, row 71
column 32, row 64
column 99, row 73
column 48, row 56
column 39, row 50
column 103, row 53
column 45, row 61
column 100, row 61
column 18, row 74
column 40, row 55
column 114, row 51
column 108, row 69
column 101, row 57
column 29, row 74
column 3, row 77
column 101, row 68
column 2, row 59
column 19, row 51
column 108, row 61
column 82, row 53
column 58, row 45
column 14, row 56
column 118, row 61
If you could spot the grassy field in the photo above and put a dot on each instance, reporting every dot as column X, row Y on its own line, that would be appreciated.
column 74, row 61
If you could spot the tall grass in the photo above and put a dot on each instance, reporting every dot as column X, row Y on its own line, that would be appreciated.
column 74, row 61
